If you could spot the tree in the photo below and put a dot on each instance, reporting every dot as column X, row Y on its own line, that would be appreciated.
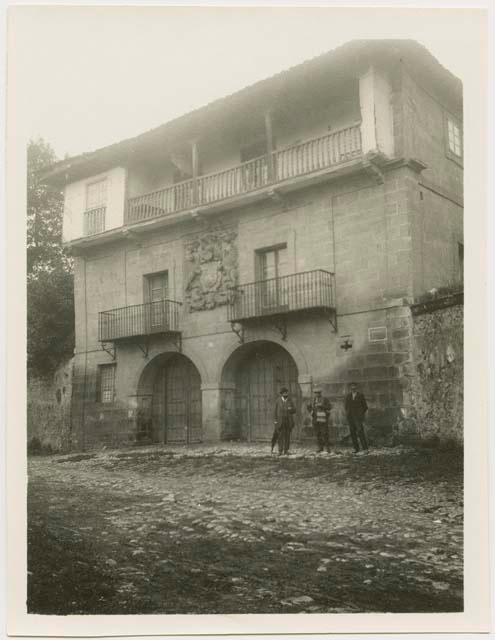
column 44, row 214
column 50, row 320
column 50, row 286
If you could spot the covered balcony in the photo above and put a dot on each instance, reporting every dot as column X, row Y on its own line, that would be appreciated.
column 276, row 298
column 277, row 167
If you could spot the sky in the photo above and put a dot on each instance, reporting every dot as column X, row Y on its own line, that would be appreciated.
column 85, row 77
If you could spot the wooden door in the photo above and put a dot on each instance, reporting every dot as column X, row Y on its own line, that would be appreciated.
column 177, row 398
column 273, row 265
column 258, row 382
column 156, row 293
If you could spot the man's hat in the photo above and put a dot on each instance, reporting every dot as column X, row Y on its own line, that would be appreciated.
column 284, row 390
column 317, row 390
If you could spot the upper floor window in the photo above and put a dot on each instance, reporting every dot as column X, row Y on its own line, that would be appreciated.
column 454, row 137
column 156, row 294
column 272, row 266
column 96, row 194
column 273, row 262
column 156, row 286
column 105, row 390
column 94, row 215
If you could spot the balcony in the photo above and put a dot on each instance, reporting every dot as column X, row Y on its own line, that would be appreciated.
column 139, row 320
column 94, row 221
column 304, row 159
column 276, row 297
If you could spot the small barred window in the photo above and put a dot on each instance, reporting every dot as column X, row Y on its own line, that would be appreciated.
column 106, row 383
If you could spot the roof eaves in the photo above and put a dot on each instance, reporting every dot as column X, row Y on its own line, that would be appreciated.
column 352, row 53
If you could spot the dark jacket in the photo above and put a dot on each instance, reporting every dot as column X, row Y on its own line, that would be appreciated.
column 323, row 405
column 357, row 407
column 284, row 413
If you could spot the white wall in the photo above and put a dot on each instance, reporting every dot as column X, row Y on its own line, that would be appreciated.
column 375, row 95
column 75, row 203
column 383, row 114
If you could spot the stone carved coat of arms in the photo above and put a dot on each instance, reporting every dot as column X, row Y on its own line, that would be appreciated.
column 211, row 261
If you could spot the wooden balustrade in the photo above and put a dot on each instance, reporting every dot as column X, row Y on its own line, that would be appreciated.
column 301, row 159
column 94, row 221
column 243, row 178
column 317, row 154
column 161, row 316
column 275, row 296
column 160, row 203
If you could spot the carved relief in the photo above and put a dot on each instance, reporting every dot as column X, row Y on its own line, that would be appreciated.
column 212, row 269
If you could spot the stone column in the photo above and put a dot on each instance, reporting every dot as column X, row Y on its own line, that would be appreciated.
column 212, row 422
column 305, row 383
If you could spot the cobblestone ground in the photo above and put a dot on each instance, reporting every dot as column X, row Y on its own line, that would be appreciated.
column 234, row 530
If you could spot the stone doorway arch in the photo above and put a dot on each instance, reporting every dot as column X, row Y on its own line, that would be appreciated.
column 169, row 395
column 251, row 379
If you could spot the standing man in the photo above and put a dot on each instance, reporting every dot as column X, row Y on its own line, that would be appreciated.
column 320, row 414
column 284, row 421
column 355, row 410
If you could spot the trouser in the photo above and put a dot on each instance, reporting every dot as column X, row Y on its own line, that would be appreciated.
column 357, row 432
column 284, row 438
column 321, row 430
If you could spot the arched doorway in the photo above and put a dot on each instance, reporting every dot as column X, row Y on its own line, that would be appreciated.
column 258, row 371
column 174, row 386
column 177, row 401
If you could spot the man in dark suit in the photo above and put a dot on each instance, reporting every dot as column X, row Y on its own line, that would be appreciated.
column 355, row 410
column 284, row 421
column 320, row 414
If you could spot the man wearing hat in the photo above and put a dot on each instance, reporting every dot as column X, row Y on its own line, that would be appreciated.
column 355, row 409
column 320, row 414
column 284, row 421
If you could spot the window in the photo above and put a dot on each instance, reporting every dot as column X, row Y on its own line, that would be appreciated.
column 273, row 262
column 105, row 391
column 96, row 194
column 157, row 286
column 454, row 137
column 156, row 293
column 272, row 266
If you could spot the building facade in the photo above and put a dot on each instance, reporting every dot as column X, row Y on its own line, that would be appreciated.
column 275, row 237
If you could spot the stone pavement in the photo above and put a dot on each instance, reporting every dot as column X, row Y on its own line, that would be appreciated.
column 236, row 449
column 230, row 529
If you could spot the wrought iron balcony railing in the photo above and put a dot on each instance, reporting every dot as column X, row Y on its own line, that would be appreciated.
column 297, row 160
column 277, row 296
column 139, row 320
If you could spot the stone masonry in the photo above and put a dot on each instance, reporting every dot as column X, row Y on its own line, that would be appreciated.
column 387, row 224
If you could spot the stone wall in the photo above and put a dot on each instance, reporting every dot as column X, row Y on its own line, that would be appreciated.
column 49, row 411
column 436, row 387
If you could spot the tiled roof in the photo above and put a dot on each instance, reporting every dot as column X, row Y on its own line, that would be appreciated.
column 348, row 57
